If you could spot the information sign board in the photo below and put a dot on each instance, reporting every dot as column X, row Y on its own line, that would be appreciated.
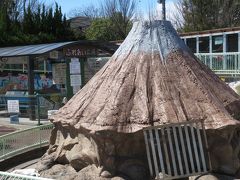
column 13, row 106
column 75, row 66
column 76, row 80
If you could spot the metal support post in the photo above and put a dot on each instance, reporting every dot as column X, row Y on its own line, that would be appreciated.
column 238, row 51
column 197, row 44
column 210, row 51
column 38, row 110
column 185, row 41
column 82, row 65
column 68, row 84
column 32, row 114
column 224, row 51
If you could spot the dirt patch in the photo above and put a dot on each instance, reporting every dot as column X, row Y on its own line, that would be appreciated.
column 6, row 130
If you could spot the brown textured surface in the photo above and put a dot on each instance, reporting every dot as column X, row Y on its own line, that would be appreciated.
column 152, row 79
column 141, row 90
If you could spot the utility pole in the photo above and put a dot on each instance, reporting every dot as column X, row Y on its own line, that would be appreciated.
column 163, row 2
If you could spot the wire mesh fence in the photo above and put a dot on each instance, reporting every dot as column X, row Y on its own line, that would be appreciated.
column 22, row 141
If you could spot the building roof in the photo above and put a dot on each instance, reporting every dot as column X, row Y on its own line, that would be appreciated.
column 31, row 49
column 37, row 49
column 213, row 31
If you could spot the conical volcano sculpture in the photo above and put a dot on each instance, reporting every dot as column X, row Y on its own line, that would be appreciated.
column 152, row 79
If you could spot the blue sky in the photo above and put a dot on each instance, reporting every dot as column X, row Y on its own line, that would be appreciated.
column 68, row 5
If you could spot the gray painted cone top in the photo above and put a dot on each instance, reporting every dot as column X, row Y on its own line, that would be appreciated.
column 152, row 36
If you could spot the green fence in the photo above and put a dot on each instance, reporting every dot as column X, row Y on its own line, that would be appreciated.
column 22, row 141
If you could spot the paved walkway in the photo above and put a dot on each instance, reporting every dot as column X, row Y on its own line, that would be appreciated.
column 24, row 123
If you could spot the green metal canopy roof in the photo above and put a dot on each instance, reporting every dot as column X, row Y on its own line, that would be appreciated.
column 44, row 48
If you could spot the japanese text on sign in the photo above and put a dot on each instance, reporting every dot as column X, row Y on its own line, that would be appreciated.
column 80, row 52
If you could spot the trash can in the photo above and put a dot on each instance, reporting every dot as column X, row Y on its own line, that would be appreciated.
column 14, row 119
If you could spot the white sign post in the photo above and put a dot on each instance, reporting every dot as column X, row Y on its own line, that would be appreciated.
column 75, row 66
column 75, row 75
column 76, row 89
column 13, row 106
column 76, row 80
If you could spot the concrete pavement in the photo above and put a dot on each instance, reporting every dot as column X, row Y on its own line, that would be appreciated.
column 24, row 123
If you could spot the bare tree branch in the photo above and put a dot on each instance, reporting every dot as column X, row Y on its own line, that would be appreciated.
column 89, row 11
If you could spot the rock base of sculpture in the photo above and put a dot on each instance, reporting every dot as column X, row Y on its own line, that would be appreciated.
column 77, row 154
column 224, row 150
column 110, row 153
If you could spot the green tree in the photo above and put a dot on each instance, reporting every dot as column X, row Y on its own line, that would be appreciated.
column 28, row 22
column 43, row 19
column 4, row 16
column 120, row 12
column 57, row 19
column 67, row 31
column 101, row 29
column 49, row 21
column 37, row 20
column 115, row 15
column 203, row 15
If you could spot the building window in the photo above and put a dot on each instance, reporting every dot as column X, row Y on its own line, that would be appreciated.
column 232, row 42
column 204, row 44
column 191, row 43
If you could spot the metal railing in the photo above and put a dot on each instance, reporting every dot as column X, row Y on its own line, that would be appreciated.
column 11, row 176
column 222, row 63
column 22, row 141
